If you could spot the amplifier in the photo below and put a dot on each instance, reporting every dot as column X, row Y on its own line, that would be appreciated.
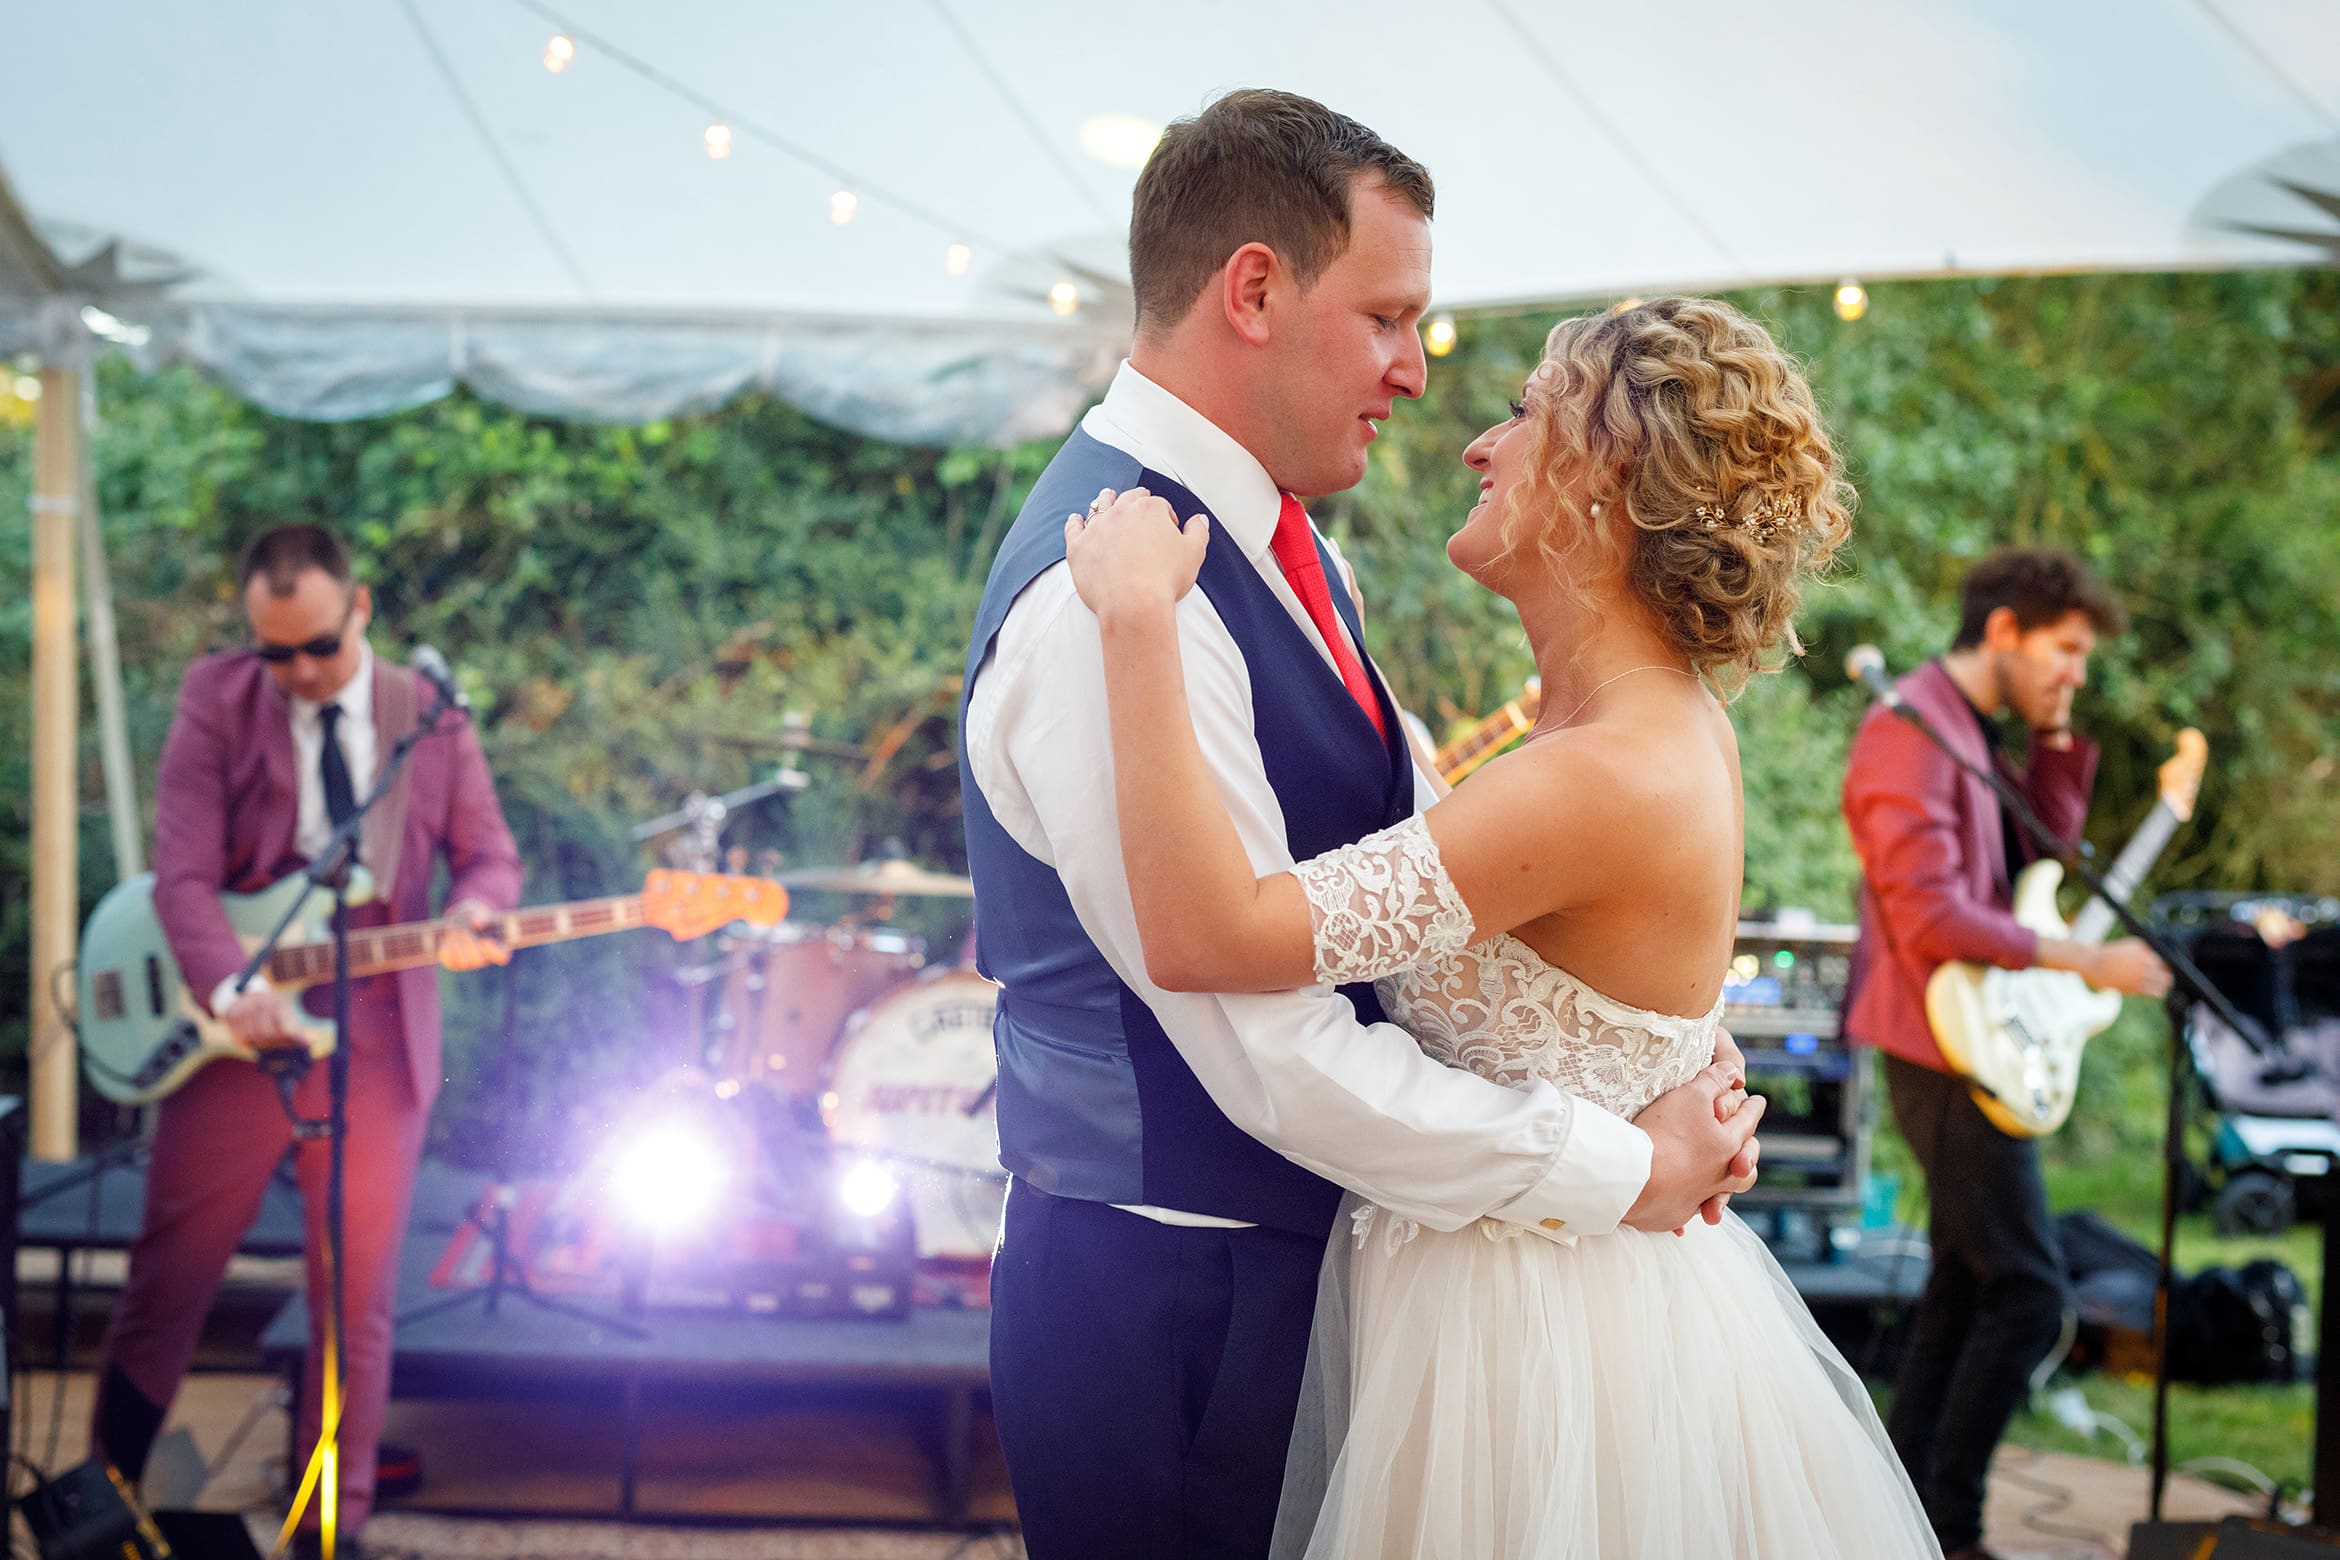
column 1780, row 1002
column 2237, row 1538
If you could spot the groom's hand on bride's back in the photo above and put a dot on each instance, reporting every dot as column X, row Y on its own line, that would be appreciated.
column 1702, row 1148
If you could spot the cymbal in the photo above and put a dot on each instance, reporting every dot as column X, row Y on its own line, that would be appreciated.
column 882, row 877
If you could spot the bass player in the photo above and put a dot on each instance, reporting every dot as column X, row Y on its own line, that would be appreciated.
column 270, row 748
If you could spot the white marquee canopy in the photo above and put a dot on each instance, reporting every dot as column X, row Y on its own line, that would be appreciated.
column 345, row 209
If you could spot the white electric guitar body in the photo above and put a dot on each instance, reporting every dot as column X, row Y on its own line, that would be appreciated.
column 2017, row 1035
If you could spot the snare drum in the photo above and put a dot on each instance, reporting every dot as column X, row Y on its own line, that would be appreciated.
column 787, row 992
column 911, row 1083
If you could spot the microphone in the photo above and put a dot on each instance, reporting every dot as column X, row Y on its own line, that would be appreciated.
column 1866, row 666
column 432, row 668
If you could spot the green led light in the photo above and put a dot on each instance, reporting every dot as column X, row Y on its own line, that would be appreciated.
column 1785, row 959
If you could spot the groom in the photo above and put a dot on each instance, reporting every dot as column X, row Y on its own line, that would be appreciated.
column 1178, row 1159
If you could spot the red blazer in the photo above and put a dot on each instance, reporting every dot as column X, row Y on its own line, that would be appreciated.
column 1933, row 858
column 227, row 806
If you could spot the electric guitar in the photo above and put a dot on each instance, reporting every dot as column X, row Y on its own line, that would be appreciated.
column 1491, row 735
column 143, row 1033
column 2017, row 1035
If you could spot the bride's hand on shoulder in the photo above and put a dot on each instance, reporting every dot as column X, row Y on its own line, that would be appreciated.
column 1129, row 552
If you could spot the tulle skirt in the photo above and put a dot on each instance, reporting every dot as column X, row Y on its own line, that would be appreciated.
column 1631, row 1397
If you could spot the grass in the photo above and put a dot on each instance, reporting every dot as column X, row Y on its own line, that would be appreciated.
column 2270, row 1428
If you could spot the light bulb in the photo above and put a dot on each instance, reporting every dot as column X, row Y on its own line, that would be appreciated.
column 718, row 140
column 957, row 258
column 1852, row 300
column 559, row 54
column 1064, row 297
column 1438, row 337
column 842, row 206
column 1119, row 140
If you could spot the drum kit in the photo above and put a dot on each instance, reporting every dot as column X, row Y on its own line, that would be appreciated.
column 840, row 1040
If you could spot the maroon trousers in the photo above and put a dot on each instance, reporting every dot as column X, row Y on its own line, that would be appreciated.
column 216, row 1143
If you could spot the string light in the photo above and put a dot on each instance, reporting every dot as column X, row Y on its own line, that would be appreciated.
column 957, row 258
column 1438, row 339
column 1064, row 297
column 1852, row 300
column 842, row 206
column 560, row 53
column 1119, row 140
column 718, row 140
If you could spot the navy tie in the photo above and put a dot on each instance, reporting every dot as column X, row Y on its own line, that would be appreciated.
column 340, row 796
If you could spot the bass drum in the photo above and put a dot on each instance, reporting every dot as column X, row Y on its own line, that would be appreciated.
column 911, row 1085
column 787, row 992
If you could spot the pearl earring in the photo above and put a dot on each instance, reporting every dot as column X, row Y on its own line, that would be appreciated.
column 1596, row 511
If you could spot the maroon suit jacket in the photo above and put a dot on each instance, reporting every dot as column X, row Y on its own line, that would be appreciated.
column 227, row 806
column 1934, row 859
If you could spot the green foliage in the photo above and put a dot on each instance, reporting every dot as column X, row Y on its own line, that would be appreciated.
column 636, row 609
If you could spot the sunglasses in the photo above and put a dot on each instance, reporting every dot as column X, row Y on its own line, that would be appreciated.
column 322, row 648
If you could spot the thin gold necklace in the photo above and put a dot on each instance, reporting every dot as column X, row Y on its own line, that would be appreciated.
column 1628, row 672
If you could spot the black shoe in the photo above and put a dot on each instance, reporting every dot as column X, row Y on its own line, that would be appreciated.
column 307, row 1545
column 398, row 1471
column 1972, row 1552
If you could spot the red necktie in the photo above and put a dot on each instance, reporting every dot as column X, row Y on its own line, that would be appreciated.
column 1295, row 550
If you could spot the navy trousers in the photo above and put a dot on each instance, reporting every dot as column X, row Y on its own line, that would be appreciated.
column 1144, row 1377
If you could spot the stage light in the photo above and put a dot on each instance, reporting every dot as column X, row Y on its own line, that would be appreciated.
column 868, row 1189
column 1438, row 337
column 559, row 54
column 1120, row 140
column 842, row 206
column 1064, row 297
column 670, row 1178
column 1852, row 300
column 718, row 138
column 957, row 258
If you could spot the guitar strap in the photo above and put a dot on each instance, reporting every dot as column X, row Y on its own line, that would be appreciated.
column 397, row 710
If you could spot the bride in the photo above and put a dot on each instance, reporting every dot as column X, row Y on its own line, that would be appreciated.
column 1652, row 506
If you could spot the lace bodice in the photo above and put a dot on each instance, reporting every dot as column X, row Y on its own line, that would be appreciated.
column 1385, row 910
column 1501, row 1010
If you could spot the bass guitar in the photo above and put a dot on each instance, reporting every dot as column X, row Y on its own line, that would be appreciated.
column 143, row 1033
column 2017, row 1035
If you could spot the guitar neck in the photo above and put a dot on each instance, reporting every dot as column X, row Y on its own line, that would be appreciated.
column 1489, row 737
column 379, row 950
column 2096, row 918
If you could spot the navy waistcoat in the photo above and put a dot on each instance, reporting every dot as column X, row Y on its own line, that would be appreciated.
column 1094, row 1100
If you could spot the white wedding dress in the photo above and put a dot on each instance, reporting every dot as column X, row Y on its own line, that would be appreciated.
column 1489, row 1393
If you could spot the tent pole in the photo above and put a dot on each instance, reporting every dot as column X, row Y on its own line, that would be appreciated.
column 105, row 655
column 56, row 888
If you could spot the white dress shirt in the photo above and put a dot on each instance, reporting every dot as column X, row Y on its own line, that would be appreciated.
column 1358, row 1104
column 359, row 749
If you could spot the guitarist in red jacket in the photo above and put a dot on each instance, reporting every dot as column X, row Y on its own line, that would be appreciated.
column 269, row 748
column 1938, row 861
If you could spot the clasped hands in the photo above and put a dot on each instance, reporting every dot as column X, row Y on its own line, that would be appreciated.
column 1702, row 1145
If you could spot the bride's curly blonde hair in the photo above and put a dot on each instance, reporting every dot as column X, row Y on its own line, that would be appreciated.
column 1682, row 418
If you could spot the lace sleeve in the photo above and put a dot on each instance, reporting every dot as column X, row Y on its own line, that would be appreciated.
column 1383, row 904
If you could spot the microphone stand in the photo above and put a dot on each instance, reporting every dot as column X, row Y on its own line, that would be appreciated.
column 331, row 870
column 2189, row 984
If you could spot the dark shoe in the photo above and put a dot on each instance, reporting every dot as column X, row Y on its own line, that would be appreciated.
column 1972, row 1552
column 127, row 1421
column 398, row 1471
column 308, row 1546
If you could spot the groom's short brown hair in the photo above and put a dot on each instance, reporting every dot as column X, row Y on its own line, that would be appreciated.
column 1257, row 166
